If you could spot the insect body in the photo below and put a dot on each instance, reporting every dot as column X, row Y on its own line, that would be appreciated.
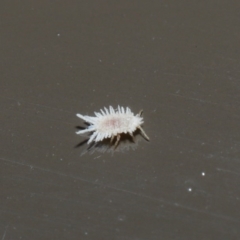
column 112, row 123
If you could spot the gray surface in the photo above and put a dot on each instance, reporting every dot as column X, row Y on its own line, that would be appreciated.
column 177, row 60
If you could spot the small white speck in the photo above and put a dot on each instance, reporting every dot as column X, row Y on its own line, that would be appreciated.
column 189, row 189
column 203, row 173
column 86, row 233
column 58, row 34
column 121, row 218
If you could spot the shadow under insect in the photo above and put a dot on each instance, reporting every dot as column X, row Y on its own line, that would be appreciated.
column 126, row 143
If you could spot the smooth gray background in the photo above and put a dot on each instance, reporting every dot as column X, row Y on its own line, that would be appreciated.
column 177, row 60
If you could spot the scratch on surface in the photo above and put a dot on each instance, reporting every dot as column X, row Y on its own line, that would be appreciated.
column 195, row 99
column 129, row 192
column 177, row 74
column 48, row 170
column 34, row 104
column 4, row 234
column 19, row 103
column 196, row 141
column 228, row 171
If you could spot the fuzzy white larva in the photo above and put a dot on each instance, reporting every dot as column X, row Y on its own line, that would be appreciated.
column 112, row 123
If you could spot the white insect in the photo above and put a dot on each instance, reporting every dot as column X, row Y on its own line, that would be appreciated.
column 112, row 123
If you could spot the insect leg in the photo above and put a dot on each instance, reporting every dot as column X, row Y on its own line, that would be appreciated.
column 117, row 141
column 144, row 134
